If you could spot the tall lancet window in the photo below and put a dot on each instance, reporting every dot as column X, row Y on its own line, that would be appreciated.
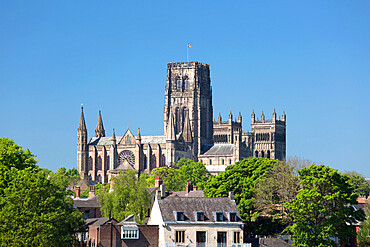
column 178, row 120
column 186, row 84
column 178, row 84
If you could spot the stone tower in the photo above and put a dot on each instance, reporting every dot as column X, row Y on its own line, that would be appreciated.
column 269, row 136
column 82, row 149
column 188, row 101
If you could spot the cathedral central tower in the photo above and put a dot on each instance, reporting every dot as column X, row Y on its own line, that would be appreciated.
column 188, row 101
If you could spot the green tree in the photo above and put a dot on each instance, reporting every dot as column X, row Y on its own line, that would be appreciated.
column 12, row 155
column 65, row 178
column 363, row 236
column 323, row 207
column 195, row 172
column 241, row 178
column 172, row 177
column 129, row 196
column 280, row 186
column 359, row 183
column 34, row 211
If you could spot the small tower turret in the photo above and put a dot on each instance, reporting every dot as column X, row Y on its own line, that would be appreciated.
column 262, row 117
column 219, row 119
column 283, row 117
column 138, row 137
column 240, row 118
column 253, row 117
column 274, row 116
column 99, row 131
column 230, row 117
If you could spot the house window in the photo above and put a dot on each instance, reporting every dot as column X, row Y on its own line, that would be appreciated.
column 132, row 233
column 201, row 239
column 236, row 237
column 232, row 217
column 219, row 217
column 210, row 161
column 180, row 237
column 221, row 239
column 180, row 216
column 200, row 216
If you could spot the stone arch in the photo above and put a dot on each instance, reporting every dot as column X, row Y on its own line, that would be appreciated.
column 262, row 154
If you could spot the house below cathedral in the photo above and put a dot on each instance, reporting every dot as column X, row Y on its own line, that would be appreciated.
column 189, row 132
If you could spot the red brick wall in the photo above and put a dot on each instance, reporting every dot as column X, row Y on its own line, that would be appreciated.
column 148, row 237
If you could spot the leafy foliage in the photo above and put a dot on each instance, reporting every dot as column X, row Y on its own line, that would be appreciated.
column 323, row 207
column 241, row 178
column 12, row 155
column 175, row 178
column 129, row 196
column 34, row 210
column 280, row 186
column 363, row 236
column 359, row 183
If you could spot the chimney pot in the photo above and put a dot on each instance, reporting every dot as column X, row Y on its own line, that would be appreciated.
column 189, row 187
column 78, row 191
column 158, row 182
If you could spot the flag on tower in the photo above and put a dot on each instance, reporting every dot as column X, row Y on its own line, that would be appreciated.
column 189, row 45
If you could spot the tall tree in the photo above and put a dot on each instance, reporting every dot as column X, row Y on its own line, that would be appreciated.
column 323, row 207
column 280, row 186
column 129, row 196
column 34, row 211
column 361, row 186
column 241, row 178
column 196, row 172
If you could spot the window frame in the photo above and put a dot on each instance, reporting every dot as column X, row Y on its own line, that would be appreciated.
column 180, row 213
column 197, row 214
column 235, row 215
column 180, row 236
column 129, row 233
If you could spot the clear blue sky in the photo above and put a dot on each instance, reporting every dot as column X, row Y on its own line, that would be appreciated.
column 309, row 58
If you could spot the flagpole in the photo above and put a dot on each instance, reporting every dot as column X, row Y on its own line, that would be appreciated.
column 187, row 53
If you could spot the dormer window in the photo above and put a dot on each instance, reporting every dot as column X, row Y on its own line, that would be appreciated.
column 200, row 216
column 180, row 216
column 219, row 217
column 232, row 217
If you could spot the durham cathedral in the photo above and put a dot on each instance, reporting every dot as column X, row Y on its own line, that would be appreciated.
column 189, row 132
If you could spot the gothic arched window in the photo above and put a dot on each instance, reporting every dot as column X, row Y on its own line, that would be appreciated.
column 268, row 154
column 145, row 162
column 128, row 156
column 186, row 84
column 256, row 154
column 100, row 164
column 262, row 154
column 90, row 165
column 178, row 84
column 163, row 160
column 154, row 161
column 178, row 120
column 107, row 162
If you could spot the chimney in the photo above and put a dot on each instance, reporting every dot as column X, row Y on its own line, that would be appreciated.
column 163, row 191
column 91, row 192
column 78, row 191
column 158, row 182
column 189, row 187
column 231, row 195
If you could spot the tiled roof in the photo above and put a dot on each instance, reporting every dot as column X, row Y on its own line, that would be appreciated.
column 159, row 139
column 85, row 202
column 99, row 221
column 103, row 140
column 153, row 139
column 190, row 205
column 220, row 149
column 193, row 193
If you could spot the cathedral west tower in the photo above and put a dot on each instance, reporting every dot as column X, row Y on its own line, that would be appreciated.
column 188, row 101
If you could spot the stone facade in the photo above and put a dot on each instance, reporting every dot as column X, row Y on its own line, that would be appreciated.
column 189, row 132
